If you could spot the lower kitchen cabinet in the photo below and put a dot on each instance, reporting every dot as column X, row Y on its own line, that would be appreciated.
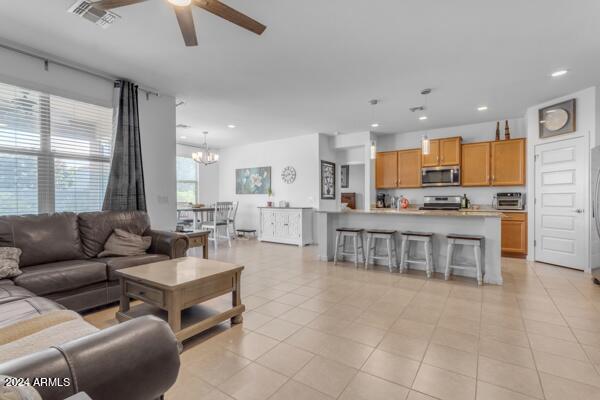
column 514, row 234
column 286, row 225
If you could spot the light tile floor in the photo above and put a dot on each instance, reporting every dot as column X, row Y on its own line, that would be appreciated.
column 313, row 330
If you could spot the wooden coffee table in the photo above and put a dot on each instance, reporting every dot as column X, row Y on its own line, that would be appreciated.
column 172, row 288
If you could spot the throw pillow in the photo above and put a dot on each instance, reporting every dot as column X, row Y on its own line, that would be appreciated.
column 9, row 262
column 123, row 243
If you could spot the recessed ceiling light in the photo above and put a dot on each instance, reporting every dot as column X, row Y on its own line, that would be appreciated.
column 180, row 3
column 182, row 137
column 481, row 108
column 558, row 73
column 375, row 125
column 423, row 117
column 231, row 126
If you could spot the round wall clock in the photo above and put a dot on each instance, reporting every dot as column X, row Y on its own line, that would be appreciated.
column 288, row 175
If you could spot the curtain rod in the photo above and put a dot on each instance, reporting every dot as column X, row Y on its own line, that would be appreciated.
column 97, row 74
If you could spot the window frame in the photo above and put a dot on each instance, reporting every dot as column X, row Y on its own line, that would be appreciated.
column 189, row 181
column 46, row 156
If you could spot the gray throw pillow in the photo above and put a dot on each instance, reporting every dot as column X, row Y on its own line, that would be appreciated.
column 123, row 243
column 9, row 262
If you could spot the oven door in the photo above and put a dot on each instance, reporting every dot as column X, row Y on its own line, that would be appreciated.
column 440, row 176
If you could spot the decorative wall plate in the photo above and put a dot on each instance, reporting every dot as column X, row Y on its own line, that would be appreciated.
column 288, row 175
column 558, row 119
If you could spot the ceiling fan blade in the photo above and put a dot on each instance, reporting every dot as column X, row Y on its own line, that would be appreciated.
column 186, row 24
column 231, row 15
column 110, row 4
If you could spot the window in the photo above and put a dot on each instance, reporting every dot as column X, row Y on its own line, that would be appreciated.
column 187, row 180
column 54, row 152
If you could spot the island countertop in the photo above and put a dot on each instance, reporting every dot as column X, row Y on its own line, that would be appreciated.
column 417, row 212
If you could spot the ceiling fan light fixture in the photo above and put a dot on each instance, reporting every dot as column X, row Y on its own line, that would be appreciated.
column 180, row 3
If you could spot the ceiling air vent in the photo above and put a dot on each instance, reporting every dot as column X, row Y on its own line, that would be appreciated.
column 86, row 9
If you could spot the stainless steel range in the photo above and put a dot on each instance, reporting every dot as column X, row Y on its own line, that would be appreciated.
column 441, row 203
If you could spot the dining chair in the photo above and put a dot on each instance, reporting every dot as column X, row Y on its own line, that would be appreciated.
column 220, row 219
column 231, row 220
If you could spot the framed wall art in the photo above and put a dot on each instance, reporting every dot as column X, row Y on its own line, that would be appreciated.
column 327, row 180
column 253, row 180
column 345, row 176
column 558, row 119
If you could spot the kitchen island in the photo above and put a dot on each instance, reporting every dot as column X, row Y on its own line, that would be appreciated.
column 440, row 222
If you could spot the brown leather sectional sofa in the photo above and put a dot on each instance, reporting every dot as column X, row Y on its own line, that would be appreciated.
column 135, row 360
column 60, row 253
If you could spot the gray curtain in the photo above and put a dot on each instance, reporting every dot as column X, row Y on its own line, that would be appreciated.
column 125, row 190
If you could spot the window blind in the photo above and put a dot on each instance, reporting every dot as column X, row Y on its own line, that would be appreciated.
column 54, row 152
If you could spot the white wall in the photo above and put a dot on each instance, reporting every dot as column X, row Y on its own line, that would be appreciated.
column 300, row 152
column 157, row 129
column 470, row 133
column 588, row 127
column 157, row 123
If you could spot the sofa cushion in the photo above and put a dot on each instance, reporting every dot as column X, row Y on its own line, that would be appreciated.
column 42, row 238
column 6, row 282
column 25, row 309
column 115, row 263
column 123, row 244
column 96, row 227
column 10, row 293
column 60, row 276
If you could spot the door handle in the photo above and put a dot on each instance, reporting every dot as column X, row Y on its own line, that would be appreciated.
column 579, row 211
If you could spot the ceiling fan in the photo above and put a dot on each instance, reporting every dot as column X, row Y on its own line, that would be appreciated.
column 183, row 12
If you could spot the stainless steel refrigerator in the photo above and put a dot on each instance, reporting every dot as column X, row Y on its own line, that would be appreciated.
column 595, row 214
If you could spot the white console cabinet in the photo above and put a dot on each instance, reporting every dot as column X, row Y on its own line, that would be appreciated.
column 290, row 225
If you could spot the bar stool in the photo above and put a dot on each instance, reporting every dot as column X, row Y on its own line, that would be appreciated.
column 421, row 237
column 465, row 240
column 340, row 241
column 384, row 234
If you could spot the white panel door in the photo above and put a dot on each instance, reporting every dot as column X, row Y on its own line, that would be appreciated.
column 560, row 198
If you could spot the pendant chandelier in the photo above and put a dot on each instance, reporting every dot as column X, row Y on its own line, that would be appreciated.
column 205, row 156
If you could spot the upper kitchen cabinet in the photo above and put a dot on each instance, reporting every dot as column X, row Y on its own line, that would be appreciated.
column 508, row 162
column 433, row 158
column 475, row 170
column 409, row 168
column 450, row 151
column 386, row 170
column 443, row 152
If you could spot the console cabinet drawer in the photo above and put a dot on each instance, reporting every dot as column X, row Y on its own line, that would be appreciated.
column 145, row 293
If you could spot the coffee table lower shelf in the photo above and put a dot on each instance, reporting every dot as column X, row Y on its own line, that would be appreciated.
column 194, row 320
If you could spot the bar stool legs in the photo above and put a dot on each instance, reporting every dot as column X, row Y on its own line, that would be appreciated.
column 465, row 240
column 420, row 237
column 392, row 254
column 357, row 240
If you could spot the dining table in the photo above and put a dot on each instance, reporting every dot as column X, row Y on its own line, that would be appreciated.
column 200, row 214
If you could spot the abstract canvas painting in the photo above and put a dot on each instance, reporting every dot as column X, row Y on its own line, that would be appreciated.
column 327, row 180
column 253, row 180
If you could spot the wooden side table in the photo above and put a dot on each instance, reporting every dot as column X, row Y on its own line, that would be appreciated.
column 197, row 239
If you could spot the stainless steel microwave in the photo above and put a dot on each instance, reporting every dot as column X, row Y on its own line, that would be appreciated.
column 440, row 176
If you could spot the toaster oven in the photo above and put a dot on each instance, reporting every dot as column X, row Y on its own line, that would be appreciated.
column 509, row 201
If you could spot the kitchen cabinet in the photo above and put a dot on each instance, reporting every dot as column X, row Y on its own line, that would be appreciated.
column 514, row 234
column 386, row 170
column 450, row 151
column 508, row 162
column 443, row 152
column 409, row 168
column 285, row 225
column 475, row 169
column 433, row 158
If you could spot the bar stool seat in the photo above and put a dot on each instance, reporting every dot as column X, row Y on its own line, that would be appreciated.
column 465, row 240
column 389, row 236
column 357, row 239
column 408, row 237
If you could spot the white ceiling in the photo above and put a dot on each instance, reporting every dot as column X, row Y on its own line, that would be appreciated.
column 320, row 61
